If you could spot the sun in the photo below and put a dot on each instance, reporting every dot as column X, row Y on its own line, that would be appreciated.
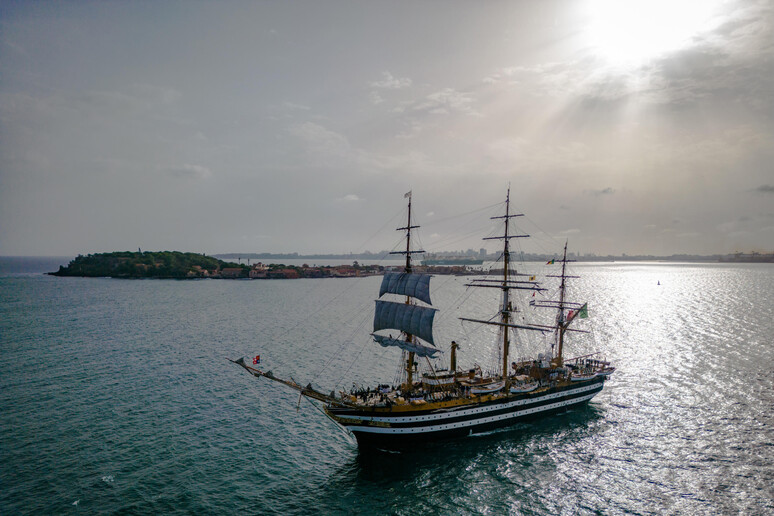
column 626, row 33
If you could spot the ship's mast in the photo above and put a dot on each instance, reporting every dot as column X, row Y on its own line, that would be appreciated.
column 505, row 312
column 453, row 358
column 561, row 324
column 506, row 284
column 560, row 315
column 407, row 269
column 505, row 309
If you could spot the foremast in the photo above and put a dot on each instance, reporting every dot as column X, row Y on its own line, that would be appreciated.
column 407, row 270
column 414, row 321
column 411, row 319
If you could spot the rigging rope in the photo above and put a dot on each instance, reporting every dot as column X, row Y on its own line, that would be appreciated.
column 364, row 313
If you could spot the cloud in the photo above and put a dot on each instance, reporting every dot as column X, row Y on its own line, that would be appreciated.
column 604, row 191
column 349, row 198
column 570, row 231
column 332, row 149
column 534, row 156
column 321, row 139
column 576, row 77
column 389, row 82
column 188, row 171
column 295, row 107
column 446, row 101
column 507, row 73
column 413, row 129
column 135, row 98
column 375, row 98
column 764, row 189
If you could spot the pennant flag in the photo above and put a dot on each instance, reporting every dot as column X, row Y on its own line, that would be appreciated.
column 551, row 262
column 257, row 360
column 407, row 195
column 571, row 315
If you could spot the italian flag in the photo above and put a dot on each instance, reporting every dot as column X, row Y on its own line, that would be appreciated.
column 582, row 312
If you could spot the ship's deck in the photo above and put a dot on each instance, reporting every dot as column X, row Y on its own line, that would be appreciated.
column 393, row 402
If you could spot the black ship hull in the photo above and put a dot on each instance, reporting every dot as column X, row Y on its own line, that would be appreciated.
column 400, row 429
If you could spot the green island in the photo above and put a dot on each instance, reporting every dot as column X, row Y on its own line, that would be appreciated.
column 178, row 265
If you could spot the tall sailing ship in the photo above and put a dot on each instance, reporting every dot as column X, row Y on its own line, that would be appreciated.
column 441, row 404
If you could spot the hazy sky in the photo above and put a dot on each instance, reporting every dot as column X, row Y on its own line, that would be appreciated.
column 629, row 127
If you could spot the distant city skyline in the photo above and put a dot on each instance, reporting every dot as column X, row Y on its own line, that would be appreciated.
column 384, row 254
column 642, row 127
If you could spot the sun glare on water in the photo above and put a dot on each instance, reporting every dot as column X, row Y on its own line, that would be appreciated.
column 628, row 33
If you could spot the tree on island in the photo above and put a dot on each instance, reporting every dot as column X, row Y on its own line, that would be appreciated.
column 148, row 264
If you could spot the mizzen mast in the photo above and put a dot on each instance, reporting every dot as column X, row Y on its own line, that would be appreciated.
column 563, row 321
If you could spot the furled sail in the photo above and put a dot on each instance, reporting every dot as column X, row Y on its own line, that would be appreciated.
column 407, row 284
column 416, row 320
column 419, row 349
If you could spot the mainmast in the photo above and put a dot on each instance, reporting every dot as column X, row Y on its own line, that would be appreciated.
column 506, row 284
column 506, row 308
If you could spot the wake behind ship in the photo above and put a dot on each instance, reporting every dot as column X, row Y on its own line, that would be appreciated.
column 440, row 404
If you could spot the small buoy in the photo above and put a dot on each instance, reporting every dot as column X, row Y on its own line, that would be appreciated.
column 659, row 283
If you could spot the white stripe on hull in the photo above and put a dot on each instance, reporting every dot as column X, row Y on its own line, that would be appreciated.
column 472, row 422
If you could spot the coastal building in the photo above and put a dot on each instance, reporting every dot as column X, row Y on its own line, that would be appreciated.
column 344, row 271
column 258, row 271
column 283, row 274
column 231, row 272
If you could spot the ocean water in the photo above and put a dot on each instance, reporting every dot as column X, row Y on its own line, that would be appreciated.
column 116, row 397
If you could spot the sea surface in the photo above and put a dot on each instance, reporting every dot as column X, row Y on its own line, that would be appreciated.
column 116, row 397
